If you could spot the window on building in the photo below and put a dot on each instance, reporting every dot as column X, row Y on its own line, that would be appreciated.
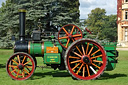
column 126, row 34
column 126, row 14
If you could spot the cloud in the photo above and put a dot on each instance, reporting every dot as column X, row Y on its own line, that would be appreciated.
column 87, row 5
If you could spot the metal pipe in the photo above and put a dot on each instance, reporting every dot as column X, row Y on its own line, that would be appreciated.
column 22, row 16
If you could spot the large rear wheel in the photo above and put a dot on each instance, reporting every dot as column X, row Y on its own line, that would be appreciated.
column 85, row 59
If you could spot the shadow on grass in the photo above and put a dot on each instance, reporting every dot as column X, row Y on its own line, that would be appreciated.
column 51, row 73
column 2, row 66
column 66, row 74
column 108, row 76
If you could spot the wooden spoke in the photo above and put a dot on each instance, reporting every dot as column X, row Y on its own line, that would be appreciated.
column 98, row 61
column 74, row 57
column 78, row 35
column 72, row 30
column 87, row 48
column 28, row 66
column 93, row 70
column 76, row 66
column 65, row 37
column 26, row 71
column 13, row 70
column 13, row 66
column 15, row 62
column 75, row 61
column 17, row 73
column 96, row 56
column 73, row 40
column 88, row 70
column 77, row 47
column 83, row 71
column 18, row 58
column 90, row 50
column 65, row 30
column 77, row 54
column 67, row 43
column 80, row 68
column 95, row 65
column 95, row 52
column 79, row 50
column 23, row 59
column 27, row 62
column 83, row 49
column 23, row 73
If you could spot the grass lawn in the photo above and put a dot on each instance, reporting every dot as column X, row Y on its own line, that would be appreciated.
column 47, row 76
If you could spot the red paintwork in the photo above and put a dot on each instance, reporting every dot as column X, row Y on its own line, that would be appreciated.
column 100, row 71
column 14, row 77
column 88, row 30
column 76, row 38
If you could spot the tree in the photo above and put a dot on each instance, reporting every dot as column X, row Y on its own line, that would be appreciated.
column 6, row 25
column 96, row 20
column 102, row 25
column 61, row 12
column 110, row 30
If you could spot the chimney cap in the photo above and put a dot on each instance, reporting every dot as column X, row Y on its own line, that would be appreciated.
column 22, row 10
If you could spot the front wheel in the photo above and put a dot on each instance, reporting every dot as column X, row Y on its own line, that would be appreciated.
column 85, row 59
column 20, row 66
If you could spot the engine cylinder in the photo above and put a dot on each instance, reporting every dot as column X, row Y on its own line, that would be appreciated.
column 21, row 47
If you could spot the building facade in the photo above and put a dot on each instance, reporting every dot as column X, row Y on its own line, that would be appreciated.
column 122, row 22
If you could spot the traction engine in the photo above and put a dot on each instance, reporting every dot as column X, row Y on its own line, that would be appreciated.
column 68, row 49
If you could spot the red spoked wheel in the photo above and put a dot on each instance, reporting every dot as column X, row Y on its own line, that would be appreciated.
column 88, row 65
column 68, row 34
column 20, row 66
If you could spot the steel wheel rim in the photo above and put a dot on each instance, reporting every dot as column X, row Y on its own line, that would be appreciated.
column 20, row 72
column 81, row 74
column 69, row 34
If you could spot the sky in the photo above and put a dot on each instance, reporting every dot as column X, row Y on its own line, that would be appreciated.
column 87, row 5
column 1, row 2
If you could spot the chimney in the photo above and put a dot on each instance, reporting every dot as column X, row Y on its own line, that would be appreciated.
column 22, row 17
